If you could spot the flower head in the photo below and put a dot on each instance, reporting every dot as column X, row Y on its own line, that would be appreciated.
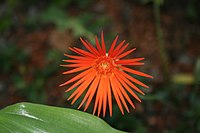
column 102, row 75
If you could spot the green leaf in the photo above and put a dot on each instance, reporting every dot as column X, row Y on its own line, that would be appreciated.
column 31, row 118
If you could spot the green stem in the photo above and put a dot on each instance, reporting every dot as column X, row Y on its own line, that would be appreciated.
column 159, row 33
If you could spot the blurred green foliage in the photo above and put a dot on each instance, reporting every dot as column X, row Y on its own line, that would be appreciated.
column 7, row 52
column 62, row 21
column 80, row 25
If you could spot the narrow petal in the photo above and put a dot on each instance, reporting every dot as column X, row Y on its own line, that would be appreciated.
column 88, row 46
column 76, row 69
column 113, row 86
column 85, row 52
column 121, row 88
column 76, row 65
column 82, row 52
column 98, row 46
column 127, row 87
column 133, row 79
column 126, row 53
column 135, row 72
column 113, row 45
column 90, row 92
column 93, row 89
column 103, row 43
column 79, row 61
column 101, row 93
column 76, row 84
column 78, row 57
column 77, row 77
column 129, row 83
column 120, row 94
column 122, row 49
column 83, row 88
column 105, row 94
column 127, row 61
column 92, row 47
column 98, row 100
column 79, row 82
column 78, row 52
column 116, row 50
column 134, row 64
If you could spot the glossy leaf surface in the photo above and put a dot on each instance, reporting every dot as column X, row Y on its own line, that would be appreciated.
column 32, row 118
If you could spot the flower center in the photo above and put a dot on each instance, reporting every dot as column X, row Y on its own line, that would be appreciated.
column 104, row 66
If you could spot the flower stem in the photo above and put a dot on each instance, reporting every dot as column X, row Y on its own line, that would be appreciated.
column 159, row 33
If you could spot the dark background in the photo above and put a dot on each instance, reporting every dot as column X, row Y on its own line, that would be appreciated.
column 35, row 34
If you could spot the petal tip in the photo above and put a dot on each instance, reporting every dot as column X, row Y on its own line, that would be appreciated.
column 151, row 77
column 61, row 85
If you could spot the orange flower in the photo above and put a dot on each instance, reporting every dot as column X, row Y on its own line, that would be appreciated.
column 104, row 74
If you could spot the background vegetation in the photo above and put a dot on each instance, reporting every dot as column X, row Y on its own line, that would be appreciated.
column 35, row 34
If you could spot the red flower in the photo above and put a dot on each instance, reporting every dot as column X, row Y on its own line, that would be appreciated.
column 104, row 74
